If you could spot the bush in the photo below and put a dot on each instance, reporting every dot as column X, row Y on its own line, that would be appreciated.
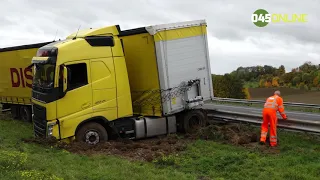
column 307, row 87
column 303, row 86
column 289, row 85
column 227, row 86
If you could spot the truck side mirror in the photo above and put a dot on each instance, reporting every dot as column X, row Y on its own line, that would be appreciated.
column 65, row 79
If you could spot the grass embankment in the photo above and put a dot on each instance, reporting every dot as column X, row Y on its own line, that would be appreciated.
column 297, row 157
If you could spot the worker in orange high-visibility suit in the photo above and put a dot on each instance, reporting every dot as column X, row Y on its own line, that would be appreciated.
column 272, row 105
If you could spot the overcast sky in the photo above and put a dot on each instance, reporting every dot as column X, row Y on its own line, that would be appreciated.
column 233, row 39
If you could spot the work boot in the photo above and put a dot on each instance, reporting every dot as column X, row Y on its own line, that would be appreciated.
column 262, row 143
column 273, row 145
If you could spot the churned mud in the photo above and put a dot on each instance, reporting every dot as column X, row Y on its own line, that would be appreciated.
column 145, row 149
column 152, row 148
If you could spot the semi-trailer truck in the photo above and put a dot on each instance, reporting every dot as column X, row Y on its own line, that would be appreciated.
column 16, row 79
column 135, row 83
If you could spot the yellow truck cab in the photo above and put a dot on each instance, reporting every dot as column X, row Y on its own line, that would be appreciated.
column 136, row 83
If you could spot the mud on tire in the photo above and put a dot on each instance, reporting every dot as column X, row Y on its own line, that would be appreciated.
column 92, row 133
column 192, row 120
column 15, row 112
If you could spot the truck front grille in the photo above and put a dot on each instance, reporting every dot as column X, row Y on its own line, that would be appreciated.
column 39, row 121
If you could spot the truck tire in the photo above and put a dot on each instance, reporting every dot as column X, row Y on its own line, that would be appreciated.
column 92, row 133
column 193, row 120
column 25, row 113
column 15, row 112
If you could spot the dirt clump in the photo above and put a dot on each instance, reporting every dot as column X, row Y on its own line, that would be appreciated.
column 236, row 134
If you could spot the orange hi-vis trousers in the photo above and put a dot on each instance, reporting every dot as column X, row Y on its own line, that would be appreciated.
column 269, row 117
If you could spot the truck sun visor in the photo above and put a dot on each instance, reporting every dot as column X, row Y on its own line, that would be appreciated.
column 52, row 52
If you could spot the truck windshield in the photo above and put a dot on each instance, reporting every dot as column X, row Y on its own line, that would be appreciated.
column 44, row 75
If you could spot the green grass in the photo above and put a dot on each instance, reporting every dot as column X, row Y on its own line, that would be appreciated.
column 299, row 158
column 19, row 160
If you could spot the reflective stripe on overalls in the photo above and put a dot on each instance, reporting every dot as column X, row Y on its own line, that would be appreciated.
column 271, row 105
column 263, row 136
column 273, row 139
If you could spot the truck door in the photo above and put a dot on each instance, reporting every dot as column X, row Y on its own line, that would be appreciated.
column 77, row 102
column 104, row 89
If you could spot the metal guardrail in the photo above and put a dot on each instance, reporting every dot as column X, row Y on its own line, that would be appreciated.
column 245, row 101
column 293, row 124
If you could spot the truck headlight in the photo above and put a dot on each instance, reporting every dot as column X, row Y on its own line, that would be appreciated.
column 50, row 128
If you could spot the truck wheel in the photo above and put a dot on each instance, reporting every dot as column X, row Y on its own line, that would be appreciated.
column 92, row 133
column 15, row 111
column 25, row 113
column 193, row 120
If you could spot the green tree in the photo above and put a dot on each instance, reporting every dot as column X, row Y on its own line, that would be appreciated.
column 307, row 67
column 288, row 77
column 228, row 86
column 296, row 81
column 306, row 78
column 281, row 70
column 302, row 86
column 261, row 82
column 269, row 69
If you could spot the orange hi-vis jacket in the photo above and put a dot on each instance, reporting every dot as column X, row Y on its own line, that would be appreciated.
column 274, row 104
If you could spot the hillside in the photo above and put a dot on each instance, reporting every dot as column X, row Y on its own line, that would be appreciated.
column 301, row 84
column 288, row 94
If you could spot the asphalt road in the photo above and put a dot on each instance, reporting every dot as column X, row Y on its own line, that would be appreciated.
column 258, row 111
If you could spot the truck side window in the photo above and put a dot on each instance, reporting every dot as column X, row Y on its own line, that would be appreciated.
column 78, row 75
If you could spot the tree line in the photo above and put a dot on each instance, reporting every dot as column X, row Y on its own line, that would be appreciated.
column 305, row 77
column 229, row 86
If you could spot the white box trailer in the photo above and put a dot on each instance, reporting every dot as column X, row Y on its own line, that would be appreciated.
column 167, row 57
